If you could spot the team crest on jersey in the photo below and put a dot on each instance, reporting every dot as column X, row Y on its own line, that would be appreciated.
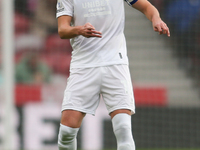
column 60, row 6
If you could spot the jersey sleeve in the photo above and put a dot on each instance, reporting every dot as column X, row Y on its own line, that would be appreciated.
column 64, row 7
column 130, row 2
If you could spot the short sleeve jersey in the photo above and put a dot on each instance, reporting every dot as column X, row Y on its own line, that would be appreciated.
column 107, row 16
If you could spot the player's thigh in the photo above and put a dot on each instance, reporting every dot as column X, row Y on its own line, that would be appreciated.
column 118, row 111
column 117, row 90
column 82, row 91
column 72, row 118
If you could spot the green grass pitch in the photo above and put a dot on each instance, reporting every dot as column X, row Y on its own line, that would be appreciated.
column 164, row 149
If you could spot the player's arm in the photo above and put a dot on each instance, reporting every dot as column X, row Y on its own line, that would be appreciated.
column 153, row 15
column 66, row 31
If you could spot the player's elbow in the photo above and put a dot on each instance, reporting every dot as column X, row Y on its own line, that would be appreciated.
column 61, row 33
column 66, row 33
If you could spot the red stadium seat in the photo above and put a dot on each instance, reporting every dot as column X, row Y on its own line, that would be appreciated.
column 21, row 23
column 58, row 61
column 150, row 96
column 25, row 93
column 55, row 43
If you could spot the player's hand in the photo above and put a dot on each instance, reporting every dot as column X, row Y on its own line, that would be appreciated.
column 88, row 31
column 161, row 27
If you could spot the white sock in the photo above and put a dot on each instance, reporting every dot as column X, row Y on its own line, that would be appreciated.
column 67, row 138
column 123, row 133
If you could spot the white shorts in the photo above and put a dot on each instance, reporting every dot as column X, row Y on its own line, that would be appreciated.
column 85, row 87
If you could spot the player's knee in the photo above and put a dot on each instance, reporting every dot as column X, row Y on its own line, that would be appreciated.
column 122, row 123
column 124, row 137
column 67, row 137
column 123, row 132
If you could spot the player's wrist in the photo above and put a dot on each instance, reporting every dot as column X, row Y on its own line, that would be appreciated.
column 155, row 18
column 77, row 30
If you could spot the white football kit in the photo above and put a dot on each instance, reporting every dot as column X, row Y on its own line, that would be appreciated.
column 99, row 66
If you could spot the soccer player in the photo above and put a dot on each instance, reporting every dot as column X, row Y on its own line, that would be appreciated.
column 99, row 65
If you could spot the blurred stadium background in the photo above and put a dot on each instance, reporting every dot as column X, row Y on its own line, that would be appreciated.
column 165, row 73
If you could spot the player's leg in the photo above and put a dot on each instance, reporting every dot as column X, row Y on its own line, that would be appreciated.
column 117, row 93
column 70, row 123
column 72, row 118
column 81, row 96
column 124, row 111
column 121, row 121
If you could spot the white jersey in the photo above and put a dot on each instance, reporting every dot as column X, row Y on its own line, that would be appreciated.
column 107, row 16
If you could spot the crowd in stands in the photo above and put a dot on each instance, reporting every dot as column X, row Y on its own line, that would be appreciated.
column 39, row 52
column 36, row 31
column 32, row 70
column 182, row 16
